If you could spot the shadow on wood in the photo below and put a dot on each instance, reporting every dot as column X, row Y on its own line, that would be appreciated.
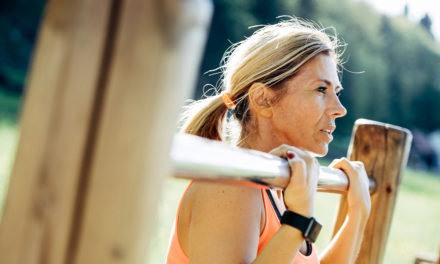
column 384, row 150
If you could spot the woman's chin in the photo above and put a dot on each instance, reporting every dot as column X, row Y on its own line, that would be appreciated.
column 316, row 150
column 319, row 151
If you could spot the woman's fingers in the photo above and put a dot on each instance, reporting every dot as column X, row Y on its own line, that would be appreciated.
column 282, row 150
column 358, row 190
column 351, row 168
column 299, row 193
column 343, row 164
column 334, row 162
column 297, row 168
column 300, row 162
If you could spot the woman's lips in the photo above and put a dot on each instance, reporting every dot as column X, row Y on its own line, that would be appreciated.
column 328, row 134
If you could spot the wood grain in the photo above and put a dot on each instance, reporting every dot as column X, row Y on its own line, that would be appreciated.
column 384, row 151
column 107, row 80
column 156, row 55
column 54, row 129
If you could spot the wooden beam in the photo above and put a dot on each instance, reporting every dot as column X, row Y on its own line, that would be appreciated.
column 158, row 47
column 107, row 80
column 54, row 129
column 384, row 151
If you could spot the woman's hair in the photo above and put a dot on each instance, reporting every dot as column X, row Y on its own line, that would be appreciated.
column 273, row 54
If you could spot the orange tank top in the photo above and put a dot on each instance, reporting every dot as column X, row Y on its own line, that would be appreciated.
column 272, row 224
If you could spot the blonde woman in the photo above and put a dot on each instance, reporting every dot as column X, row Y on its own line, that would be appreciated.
column 281, row 86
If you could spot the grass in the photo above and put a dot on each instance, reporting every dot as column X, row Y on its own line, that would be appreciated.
column 415, row 227
column 416, row 224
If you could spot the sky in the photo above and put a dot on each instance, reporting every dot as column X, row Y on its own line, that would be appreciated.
column 417, row 10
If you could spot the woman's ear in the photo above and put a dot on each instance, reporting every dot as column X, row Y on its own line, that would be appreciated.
column 260, row 97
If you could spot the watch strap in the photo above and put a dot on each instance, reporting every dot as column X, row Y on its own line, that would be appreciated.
column 310, row 227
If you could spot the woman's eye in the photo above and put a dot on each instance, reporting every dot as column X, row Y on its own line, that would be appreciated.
column 321, row 89
column 339, row 93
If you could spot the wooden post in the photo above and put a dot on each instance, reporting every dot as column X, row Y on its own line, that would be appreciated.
column 106, row 83
column 55, row 123
column 157, row 50
column 384, row 151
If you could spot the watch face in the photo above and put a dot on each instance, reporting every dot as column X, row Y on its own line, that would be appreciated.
column 313, row 230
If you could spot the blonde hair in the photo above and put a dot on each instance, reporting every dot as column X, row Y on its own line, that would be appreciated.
column 273, row 54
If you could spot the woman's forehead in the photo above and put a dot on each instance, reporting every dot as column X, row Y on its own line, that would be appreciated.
column 321, row 68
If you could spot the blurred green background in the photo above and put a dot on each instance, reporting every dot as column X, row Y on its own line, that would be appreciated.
column 392, row 75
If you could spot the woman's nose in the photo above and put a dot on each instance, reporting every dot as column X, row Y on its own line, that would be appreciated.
column 336, row 109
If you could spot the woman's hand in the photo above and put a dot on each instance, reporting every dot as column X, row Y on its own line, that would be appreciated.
column 299, row 195
column 358, row 194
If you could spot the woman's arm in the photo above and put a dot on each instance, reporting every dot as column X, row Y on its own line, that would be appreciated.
column 227, row 220
column 345, row 246
column 282, row 248
column 225, row 227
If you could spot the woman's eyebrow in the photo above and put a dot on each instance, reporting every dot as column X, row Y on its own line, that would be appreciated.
column 327, row 82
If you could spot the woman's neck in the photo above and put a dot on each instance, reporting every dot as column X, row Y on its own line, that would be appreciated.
column 257, row 142
column 259, row 136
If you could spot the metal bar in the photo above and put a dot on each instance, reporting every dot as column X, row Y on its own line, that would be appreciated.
column 195, row 157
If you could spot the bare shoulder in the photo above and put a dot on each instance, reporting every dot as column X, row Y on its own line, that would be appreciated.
column 222, row 217
column 222, row 201
column 219, row 194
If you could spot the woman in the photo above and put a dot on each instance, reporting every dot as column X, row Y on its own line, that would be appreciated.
column 282, row 87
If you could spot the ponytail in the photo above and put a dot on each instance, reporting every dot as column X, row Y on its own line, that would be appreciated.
column 205, row 118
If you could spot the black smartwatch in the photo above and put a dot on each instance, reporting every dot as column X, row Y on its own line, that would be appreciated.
column 310, row 227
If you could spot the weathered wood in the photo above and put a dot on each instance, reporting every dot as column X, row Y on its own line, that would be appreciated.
column 158, row 47
column 54, row 127
column 384, row 151
column 100, row 110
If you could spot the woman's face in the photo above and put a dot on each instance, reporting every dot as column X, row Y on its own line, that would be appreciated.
column 305, row 116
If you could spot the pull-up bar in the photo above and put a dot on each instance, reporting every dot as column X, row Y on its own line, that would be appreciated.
column 195, row 157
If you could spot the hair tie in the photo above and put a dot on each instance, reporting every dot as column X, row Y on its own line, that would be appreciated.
column 227, row 100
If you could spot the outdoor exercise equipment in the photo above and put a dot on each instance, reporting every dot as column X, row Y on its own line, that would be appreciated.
column 199, row 158
column 383, row 148
column 102, row 99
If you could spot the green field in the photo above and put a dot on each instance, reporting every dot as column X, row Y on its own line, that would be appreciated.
column 415, row 228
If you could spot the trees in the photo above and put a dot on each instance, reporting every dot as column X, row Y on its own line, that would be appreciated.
column 391, row 73
column 392, row 64
column 18, row 26
column 426, row 22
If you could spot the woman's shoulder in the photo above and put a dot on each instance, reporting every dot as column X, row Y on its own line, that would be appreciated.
column 221, row 201
column 223, row 194
column 210, row 208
